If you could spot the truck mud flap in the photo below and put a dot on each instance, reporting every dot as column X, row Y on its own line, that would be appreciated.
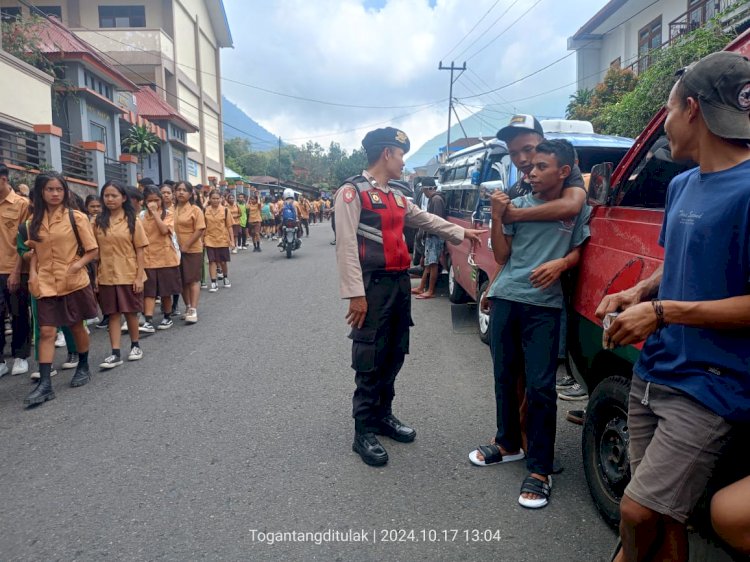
column 464, row 318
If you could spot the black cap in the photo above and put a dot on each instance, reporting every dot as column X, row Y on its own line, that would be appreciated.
column 428, row 183
column 520, row 123
column 722, row 83
column 378, row 139
column 147, row 181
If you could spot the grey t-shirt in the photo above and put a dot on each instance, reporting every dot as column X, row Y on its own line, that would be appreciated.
column 535, row 243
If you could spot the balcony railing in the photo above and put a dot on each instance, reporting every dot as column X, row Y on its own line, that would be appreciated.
column 76, row 163
column 697, row 16
column 135, row 40
column 21, row 148
column 115, row 170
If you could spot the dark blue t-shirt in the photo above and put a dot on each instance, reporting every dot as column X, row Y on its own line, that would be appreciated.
column 706, row 240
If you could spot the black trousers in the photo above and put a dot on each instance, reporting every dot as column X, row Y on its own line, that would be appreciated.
column 17, row 306
column 379, row 347
column 306, row 224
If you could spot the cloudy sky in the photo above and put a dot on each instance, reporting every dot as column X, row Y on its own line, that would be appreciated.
column 384, row 54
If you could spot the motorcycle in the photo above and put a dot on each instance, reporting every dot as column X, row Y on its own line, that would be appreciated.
column 290, row 239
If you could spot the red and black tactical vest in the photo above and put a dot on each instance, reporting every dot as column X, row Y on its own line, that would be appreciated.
column 380, row 232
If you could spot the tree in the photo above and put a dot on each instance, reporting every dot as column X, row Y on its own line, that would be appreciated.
column 141, row 142
column 578, row 104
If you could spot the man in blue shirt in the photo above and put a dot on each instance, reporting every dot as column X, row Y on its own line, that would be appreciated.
column 692, row 380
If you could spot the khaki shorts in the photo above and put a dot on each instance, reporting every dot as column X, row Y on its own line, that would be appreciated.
column 675, row 443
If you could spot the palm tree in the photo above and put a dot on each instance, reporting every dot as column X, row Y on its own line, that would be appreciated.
column 141, row 142
column 580, row 99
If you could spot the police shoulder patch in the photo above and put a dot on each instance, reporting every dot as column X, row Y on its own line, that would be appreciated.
column 348, row 194
column 399, row 200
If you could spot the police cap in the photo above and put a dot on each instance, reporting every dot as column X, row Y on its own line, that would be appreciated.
column 377, row 140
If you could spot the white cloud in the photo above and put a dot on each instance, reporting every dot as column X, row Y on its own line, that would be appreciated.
column 340, row 51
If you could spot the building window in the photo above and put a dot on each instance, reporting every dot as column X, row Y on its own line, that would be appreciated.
column 51, row 11
column 178, row 169
column 10, row 14
column 98, row 134
column 649, row 39
column 122, row 16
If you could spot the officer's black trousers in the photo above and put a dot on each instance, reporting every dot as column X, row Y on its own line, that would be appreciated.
column 379, row 347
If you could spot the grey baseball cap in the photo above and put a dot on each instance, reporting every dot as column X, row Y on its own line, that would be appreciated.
column 722, row 83
column 520, row 123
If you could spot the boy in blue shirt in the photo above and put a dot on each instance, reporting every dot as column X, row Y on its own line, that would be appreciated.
column 526, row 301
column 692, row 380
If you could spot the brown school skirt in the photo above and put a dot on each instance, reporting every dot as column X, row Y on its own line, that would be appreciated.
column 67, row 310
column 191, row 266
column 162, row 282
column 217, row 254
column 115, row 299
column 236, row 229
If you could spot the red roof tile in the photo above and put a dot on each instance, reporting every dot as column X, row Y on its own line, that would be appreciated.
column 150, row 105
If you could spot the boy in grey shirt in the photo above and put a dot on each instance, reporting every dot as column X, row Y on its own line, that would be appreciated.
column 526, row 302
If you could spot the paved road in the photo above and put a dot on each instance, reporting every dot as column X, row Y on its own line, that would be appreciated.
column 241, row 422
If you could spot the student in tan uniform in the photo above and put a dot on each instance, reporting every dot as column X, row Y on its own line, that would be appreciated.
column 14, row 295
column 61, row 244
column 189, row 226
column 168, row 197
column 121, row 272
column 234, row 213
column 254, row 217
column 304, row 214
column 219, row 237
column 162, row 260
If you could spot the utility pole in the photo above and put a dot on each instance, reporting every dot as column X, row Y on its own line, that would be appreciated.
column 452, row 68
column 278, row 176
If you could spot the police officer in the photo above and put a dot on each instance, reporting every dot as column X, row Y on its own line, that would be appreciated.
column 373, row 260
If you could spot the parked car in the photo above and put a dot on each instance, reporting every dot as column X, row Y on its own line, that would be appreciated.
column 628, row 207
column 469, row 273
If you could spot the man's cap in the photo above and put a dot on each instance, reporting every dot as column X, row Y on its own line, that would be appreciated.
column 721, row 82
column 428, row 183
column 378, row 139
column 520, row 123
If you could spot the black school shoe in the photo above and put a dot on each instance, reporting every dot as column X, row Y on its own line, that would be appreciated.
column 367, row 446
column 390, row 426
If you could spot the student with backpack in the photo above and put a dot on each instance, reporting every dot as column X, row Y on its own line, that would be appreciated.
column 121, row 271
column 219, row 237
column 61, row 286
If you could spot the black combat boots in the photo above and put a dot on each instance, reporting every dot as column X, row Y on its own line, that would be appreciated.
column 43, row 390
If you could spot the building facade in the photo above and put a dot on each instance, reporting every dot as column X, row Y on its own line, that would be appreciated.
column 624, row 32
column 171, row 46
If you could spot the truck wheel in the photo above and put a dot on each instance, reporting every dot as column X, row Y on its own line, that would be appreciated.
column 456, row 293
column 606, row 462
column 483, row 319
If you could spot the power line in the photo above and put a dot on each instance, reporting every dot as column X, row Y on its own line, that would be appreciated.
column 497, row 19
column 252, row 86
column 534, row 5
column 444, row 57
column 563, row 57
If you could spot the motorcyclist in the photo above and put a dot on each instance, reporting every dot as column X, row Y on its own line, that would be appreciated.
column 290, row 213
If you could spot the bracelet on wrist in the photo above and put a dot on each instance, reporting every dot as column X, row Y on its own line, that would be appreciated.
column 659, row 311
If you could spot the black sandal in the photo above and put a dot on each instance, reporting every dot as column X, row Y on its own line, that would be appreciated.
column 535, row 486
column 492, row 455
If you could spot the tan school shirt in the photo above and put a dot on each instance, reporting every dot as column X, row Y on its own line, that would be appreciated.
column 117, row 260
column 347, row 220
column 160, row 251
column 57, row 249
column 14, row 210
column 234, row 212
column 218, row 221
column 187, row 220
column 304, row 210
column 253, row 212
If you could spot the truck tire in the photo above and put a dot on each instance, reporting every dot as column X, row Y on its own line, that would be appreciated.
column 483, row 320
column 456, row 293
column 606, row 462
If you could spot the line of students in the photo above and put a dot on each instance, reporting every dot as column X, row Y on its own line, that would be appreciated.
column 118, row 253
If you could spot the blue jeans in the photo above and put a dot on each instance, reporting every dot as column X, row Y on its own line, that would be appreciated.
column 532, row 332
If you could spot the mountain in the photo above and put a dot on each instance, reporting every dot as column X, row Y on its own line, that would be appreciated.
column 481, row 124
column 238, row 124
